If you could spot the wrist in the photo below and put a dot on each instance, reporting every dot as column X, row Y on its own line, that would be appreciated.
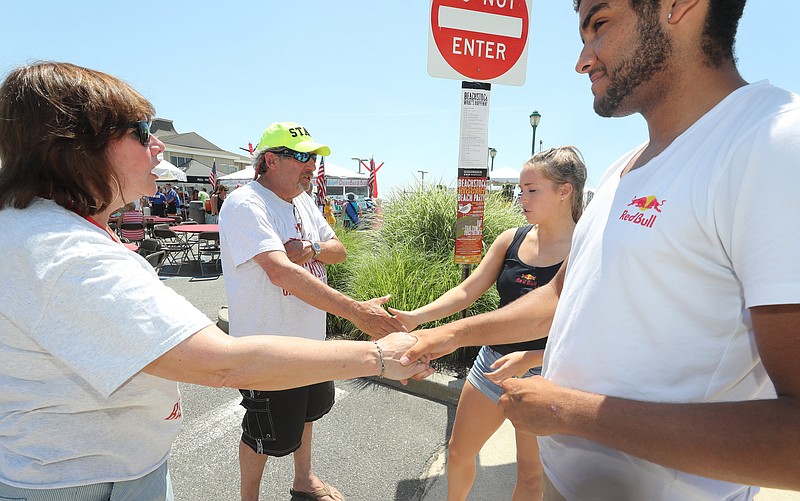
column 316, row 248
column 380, row 361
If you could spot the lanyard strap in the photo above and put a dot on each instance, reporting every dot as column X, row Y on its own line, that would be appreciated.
column 106, row 229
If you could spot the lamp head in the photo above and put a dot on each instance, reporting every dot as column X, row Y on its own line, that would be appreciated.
column 535, row 118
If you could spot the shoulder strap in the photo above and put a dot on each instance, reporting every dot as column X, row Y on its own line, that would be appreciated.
column 350, row 211
column 519, row 236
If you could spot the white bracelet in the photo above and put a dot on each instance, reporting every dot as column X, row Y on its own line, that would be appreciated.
column 380, row 354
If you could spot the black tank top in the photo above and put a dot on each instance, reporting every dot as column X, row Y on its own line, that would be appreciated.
column 516, row 280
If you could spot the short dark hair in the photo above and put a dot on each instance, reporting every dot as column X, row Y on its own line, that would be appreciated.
column 56, row 121
column 719, row 32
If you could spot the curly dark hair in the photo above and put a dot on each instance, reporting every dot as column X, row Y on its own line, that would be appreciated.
column 56, row 121
column 719, row 32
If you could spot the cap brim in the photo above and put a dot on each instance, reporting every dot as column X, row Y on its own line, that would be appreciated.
column 312, row 147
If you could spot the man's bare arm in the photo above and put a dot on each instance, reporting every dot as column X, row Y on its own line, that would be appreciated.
column 753, row 442
column 525, row 319
column 366, row 315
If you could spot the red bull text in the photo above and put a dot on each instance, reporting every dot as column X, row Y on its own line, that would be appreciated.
column 644, row 204
column 639, row 218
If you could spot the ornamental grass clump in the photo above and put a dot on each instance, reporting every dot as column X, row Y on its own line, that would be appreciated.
column 409, row 254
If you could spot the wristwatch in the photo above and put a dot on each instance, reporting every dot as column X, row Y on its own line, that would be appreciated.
column 317, row 248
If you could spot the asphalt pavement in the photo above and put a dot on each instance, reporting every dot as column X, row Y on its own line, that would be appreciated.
column 380, row 442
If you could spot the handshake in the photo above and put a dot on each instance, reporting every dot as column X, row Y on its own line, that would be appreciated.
column 394, row 362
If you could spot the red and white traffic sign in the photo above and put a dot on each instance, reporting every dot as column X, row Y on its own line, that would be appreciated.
column 482, row 40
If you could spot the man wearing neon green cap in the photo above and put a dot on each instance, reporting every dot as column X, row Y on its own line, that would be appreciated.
column 275, row 245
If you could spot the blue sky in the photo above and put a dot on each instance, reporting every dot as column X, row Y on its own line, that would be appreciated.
column 353, row 72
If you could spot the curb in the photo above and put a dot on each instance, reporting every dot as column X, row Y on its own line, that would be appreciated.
column 437, row 387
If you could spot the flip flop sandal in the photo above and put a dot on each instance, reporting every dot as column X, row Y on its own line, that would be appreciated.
column 325, row 490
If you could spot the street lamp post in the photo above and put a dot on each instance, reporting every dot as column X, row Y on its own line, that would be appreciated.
column 422, row 175
column 535, row 118
column 492, row 154
column 359, row 160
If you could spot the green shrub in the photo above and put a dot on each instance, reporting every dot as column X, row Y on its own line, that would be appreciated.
column 408, row 253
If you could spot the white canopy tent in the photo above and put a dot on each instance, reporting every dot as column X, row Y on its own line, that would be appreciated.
column 504, row 175
column 168, row 172
column 238, row 178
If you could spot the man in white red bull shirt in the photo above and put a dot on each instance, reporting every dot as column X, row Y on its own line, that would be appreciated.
column 671, row 369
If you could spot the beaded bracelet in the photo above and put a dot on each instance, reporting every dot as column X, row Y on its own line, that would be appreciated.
column 380, row 354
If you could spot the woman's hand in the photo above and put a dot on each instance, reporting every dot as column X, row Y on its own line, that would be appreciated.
column 407, row 318
column 514, row 365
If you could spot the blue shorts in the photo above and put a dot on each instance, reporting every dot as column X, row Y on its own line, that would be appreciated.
column 483, row 363
column 155, row 486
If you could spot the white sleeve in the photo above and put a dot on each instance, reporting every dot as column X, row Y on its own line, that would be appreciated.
column 757, row 212
column 249, row 232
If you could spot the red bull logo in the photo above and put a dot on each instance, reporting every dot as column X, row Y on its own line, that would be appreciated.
column 527, row 279
column 647, row 203
column 644, row 204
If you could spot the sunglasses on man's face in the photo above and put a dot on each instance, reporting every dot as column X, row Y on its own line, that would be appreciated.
column 300, row 156
column 142, row 129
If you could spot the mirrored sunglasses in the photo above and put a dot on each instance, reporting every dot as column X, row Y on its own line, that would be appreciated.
column 142, row 129
column 300, row 156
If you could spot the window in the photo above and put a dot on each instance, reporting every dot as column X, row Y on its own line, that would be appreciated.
column 179, row 161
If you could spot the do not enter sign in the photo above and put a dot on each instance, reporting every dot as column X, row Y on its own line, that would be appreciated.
column 483, row 40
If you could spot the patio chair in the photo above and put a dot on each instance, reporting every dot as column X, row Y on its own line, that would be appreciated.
column 131, row 232
column 149, row 246
column 208, row 245
column 156, row 259
column 173, row 244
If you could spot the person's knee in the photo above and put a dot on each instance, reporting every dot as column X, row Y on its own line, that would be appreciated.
column 456, row 452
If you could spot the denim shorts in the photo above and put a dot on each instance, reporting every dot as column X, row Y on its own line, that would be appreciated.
column 155, row 486
column 273, row 421
column 483, row 363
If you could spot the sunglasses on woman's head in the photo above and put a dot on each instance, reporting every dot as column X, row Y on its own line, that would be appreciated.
column 142, row 129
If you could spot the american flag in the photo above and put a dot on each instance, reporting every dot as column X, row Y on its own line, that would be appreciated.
column 322, row 191
column 373, row 180
column 212, row 179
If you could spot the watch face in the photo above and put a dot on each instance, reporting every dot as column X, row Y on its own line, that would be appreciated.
column 316, row 247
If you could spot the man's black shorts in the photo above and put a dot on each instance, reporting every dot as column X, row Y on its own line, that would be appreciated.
column 274, row 420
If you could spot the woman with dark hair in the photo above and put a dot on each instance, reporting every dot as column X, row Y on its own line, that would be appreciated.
column 91, row 342
column 217, row 199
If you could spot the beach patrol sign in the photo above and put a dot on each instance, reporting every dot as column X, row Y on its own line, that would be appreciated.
column 479, row 40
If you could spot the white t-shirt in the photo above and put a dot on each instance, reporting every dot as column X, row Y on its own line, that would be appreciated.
column 255, row 220
column 664, row 266
column 80, row 316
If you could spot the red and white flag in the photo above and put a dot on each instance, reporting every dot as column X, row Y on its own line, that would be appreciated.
column 322, row 191
column 212, row 179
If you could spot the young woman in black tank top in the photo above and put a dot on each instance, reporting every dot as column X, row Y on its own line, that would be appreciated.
column 518, row 261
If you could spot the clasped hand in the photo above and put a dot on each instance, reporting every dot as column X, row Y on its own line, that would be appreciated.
column 371, row 318
column 394, row 346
